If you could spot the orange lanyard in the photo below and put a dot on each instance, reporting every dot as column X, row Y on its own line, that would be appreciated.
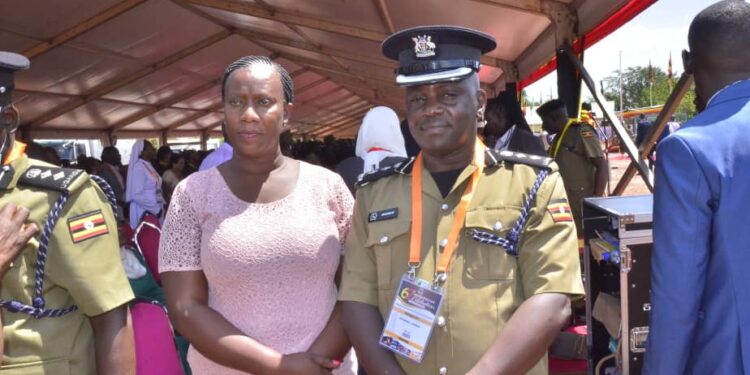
column 415, row 246
column 15, row 153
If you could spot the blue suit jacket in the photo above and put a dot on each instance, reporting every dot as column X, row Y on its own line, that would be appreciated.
column 700, row 281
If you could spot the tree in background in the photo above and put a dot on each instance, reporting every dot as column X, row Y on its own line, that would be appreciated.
column 635, row 90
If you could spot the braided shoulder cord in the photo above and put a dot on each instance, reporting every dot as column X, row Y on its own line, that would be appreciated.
column 108, row 192
column 510, row 243
column 37, row 309
column 515, row 233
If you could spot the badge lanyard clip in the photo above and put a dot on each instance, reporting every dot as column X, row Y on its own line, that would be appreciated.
column 440, row 279
column 413, row 270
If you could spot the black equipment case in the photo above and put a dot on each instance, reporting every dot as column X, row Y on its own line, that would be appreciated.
column 617, row 261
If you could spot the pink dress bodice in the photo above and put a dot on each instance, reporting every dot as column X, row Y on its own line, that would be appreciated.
column 270, row 267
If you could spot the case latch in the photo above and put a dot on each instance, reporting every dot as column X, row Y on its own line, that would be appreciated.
column 626, row 259
column 638, row 338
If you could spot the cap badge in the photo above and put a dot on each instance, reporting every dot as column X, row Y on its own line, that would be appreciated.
column 423, row 46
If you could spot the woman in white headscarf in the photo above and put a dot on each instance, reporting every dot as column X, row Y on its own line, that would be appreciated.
column 143, row 186
column 379, row 138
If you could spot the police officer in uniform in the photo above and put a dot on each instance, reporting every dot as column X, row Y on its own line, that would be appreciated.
column 579, row 155
column 492, row 233
column 64, row 297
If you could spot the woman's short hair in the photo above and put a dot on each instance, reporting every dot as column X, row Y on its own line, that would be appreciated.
column 248, row 61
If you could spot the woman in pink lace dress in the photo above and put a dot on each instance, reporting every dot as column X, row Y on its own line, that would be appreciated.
column 250, row 249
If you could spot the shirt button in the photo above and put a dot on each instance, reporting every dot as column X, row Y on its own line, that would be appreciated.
column 445, row 207
column 383, row 239
column 441, row 321
column 443, row 242
column 443, row 370
column 498, row 225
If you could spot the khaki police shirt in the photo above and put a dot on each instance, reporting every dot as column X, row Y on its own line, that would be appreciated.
column 579, row 146
column 485, row 285
column 88, row 273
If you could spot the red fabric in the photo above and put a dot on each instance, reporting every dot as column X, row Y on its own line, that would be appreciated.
column 614, row 22
column 155, row 349
column 371, row 149
column 148, row 242
column 563, row 366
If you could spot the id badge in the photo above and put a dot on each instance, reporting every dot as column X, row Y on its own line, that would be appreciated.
column 412, row 318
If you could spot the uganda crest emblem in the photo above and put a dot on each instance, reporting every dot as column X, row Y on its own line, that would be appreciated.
column 423, row 46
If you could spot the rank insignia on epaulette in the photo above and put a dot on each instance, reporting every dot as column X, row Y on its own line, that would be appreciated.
column 494, row 157
column 399, row 167
column 52, row 178
column 87, row 226
column 560, row 210
column 6, row 176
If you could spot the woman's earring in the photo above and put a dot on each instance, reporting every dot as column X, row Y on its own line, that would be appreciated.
column 481, row 121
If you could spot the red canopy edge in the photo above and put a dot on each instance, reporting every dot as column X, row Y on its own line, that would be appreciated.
column 614, row 22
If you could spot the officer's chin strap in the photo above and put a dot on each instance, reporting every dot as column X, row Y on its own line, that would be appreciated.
column 37, row 309
column 510, row 243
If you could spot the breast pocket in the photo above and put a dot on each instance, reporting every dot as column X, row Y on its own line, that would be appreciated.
column 489, row 260
column 390, row 243
column 57, row 366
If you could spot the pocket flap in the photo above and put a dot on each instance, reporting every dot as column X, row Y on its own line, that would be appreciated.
column 384, row 232
column 497, row 221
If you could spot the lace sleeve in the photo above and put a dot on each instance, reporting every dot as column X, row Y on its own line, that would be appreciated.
column 342, row 204
column 180, row 243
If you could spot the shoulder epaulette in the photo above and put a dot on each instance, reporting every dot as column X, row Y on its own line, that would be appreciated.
column 402, row 166
column 51, row 178
column 494, row 157
column 586, row 129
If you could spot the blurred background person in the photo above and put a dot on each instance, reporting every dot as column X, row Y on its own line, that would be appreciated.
column 507, row 130
column 163, row 158
column 173, row 175
column 379, row 142
column 110, row 172
column 143, row 183
column 221, row 154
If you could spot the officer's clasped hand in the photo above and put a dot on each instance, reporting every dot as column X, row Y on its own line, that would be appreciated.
column 14, row 233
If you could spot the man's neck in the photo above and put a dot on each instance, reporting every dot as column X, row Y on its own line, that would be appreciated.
column 721, row 81
column 458, row 159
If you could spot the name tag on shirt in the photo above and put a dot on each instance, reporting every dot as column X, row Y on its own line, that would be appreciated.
column 411, row 319
column 390, row 213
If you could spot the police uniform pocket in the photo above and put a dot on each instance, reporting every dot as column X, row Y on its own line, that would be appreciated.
column 488, row 260
column 390, row 243
column 57, row 366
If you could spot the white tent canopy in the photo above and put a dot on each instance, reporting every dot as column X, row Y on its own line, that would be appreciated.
column 153, row 67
